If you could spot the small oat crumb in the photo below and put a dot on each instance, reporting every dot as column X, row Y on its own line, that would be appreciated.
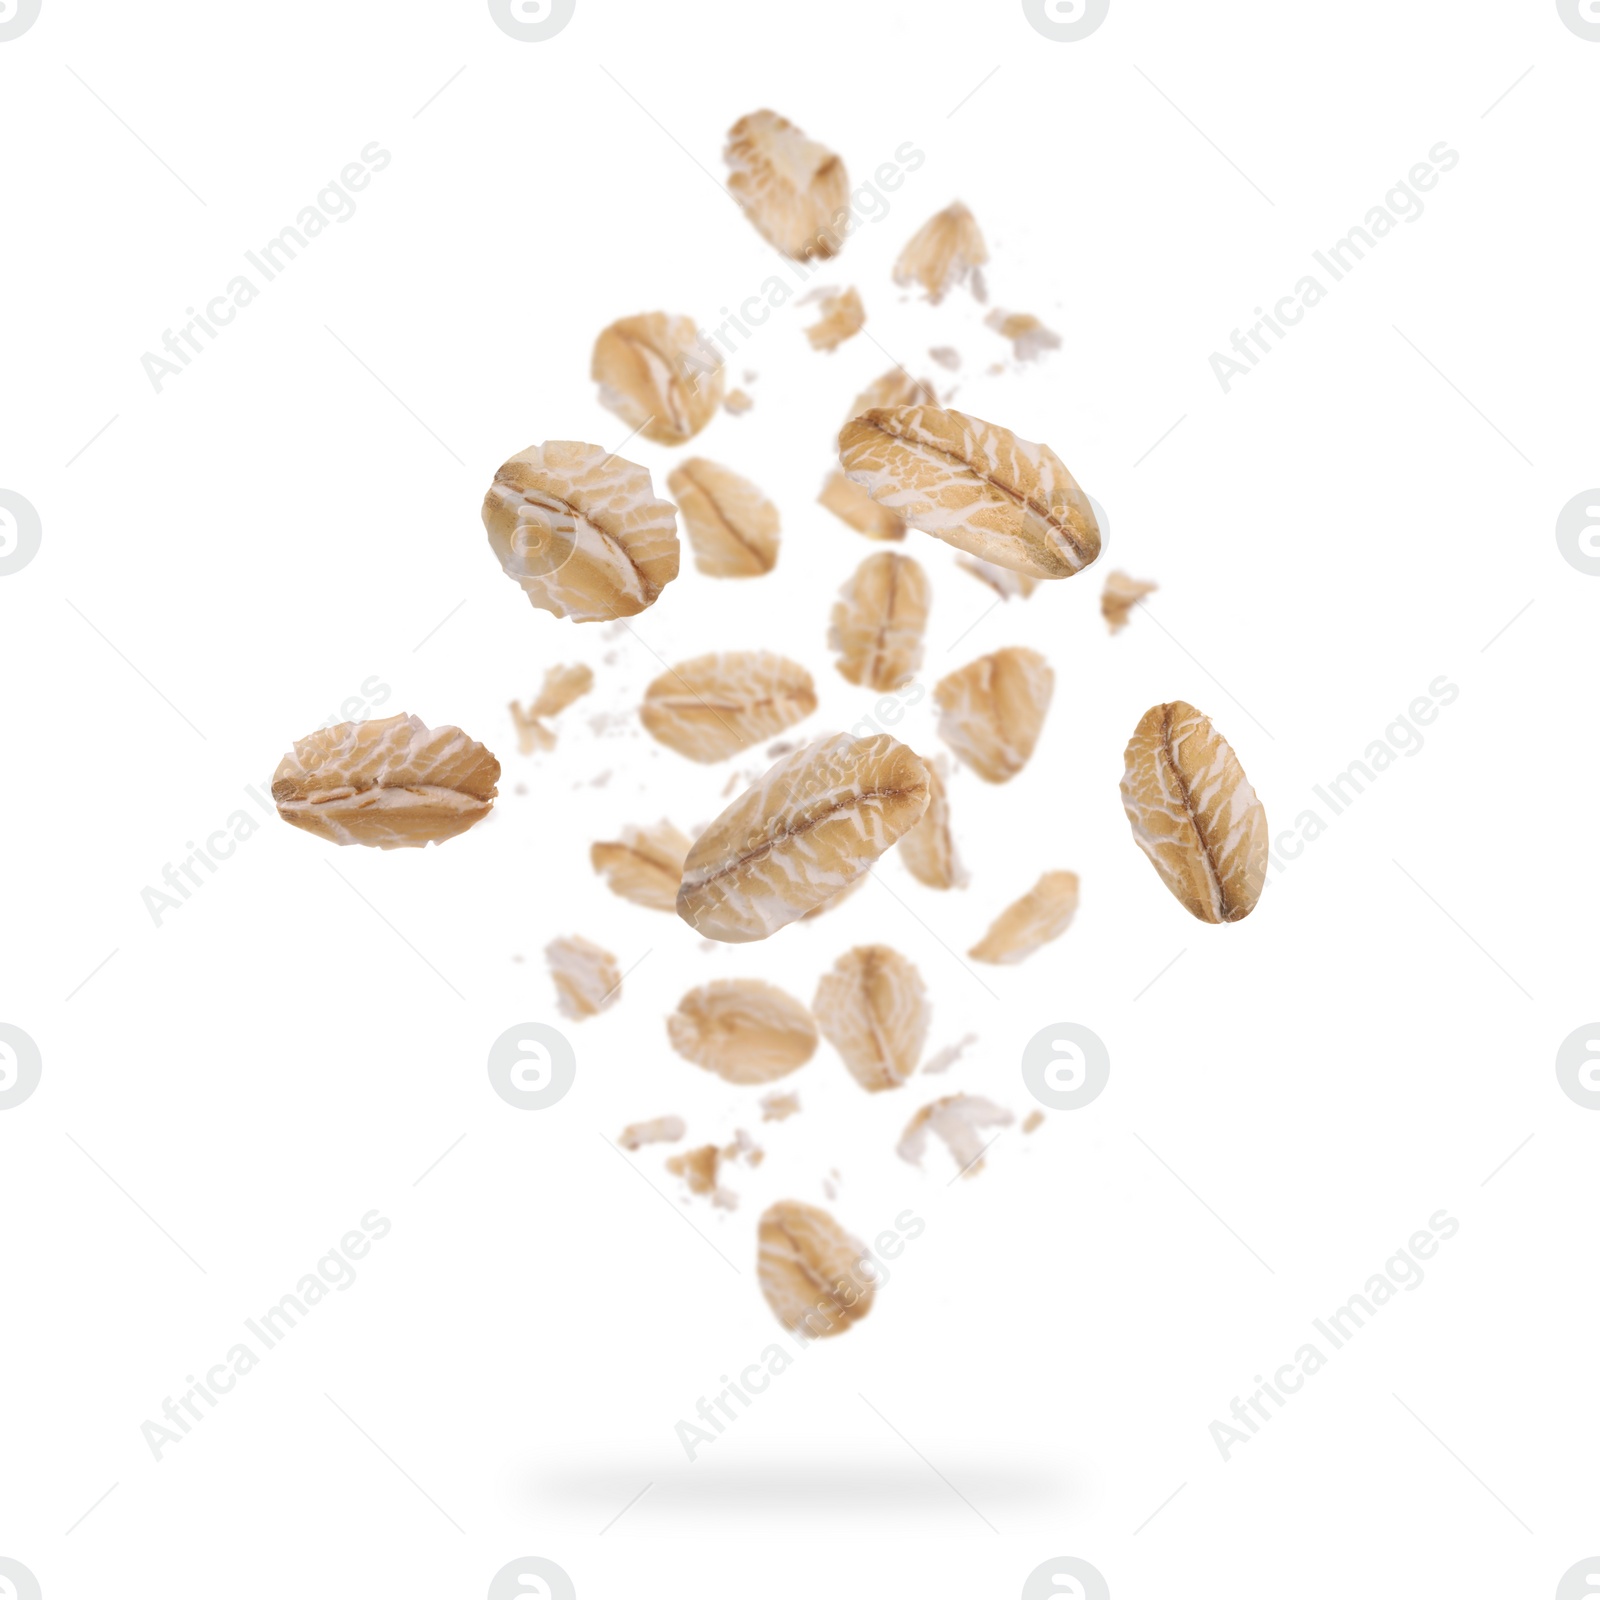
column 736, row 402
column 1033, row 1120
column 947, row 1058
column 946, row 356
column 659, row 1130
column 1028, row 335
column 842, row 317
column 1120, row 596
column 775, row 1107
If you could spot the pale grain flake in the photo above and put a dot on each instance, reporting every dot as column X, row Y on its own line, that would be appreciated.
column 587, row 978
column 841, row 316
column 742, row 1029
column 392, row 783
column 778, row 1106
column 991, row 711
column 1028, row 335
column 562, row 685
column 581, row 531
column 659, row 374
column 815, row 1276
column 878, row 622
column 698, row 1169
column 1005, row 583
column 658, row 1130
column 852, row 504
column 896, row 387
column 793, row 190
column 929, row 849
column 1120, row 596
column 645, row 865
column 947, row 1057
column 958, row 1119
column 947, row 356
column 1194, row 813
column 975, row 485
column 1033, row 1120
column 1042, row 914
column 736, row 402
column 732, row 526
column 713, row 706
column 945, row 251
column 814, row 824
column 873, row 1009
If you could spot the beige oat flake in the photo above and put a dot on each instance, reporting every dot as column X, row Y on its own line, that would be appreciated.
column 587, row 978
column 793, row 190
column 645, row 865
column 1042, row 914
column 1120, row 596
column 779, row 1107
column 947, row 250
column 1028, row 335
column 957, row 1119
column 562, row 685
column 992, row 709
column 852, row 504
column 873, row 1009
column 393, row 783
column 896, row 387
column 714, row 706
column 732, row 526
column 1194, row 813
column 841, row 316
column 658, row 1130
column 814, row 1275
column 659, row 374
column 742, row 1029
column 975, row 485
column 929, row 849
column 878, row 621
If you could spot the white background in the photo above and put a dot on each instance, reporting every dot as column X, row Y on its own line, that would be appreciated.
column 1290, row 1099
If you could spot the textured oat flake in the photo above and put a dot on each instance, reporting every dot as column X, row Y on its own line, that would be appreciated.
column 958, row 1120
column 945, row 251
column 873, row 1009
column 1120, row 596
column 659, row 374
column 841, row 317
column 852, row 504
column 645, row 865
column 792, row 189
column 714, row 706
column 896, row 387
column 814, row 1275
column 742, row 1029
column 658, row 1130
column 991, row 711
column 878, row 621
column 929, row 849
column 587, row 978
column 1042, row 914
column 562, row 685
column 732, row 526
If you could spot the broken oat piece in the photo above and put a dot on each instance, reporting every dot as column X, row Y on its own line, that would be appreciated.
column 1042, row 914
column 946, row 1058
column 957, row 1119
column 896, row 387
column 929, row 849
column 1007, row 584
column 842, row 317
column 714, row 706
column 873, row 1009
column 742, row 1029
column 793, row 190
column 813, row 1274
column 878, row 621
column 776, row 1107
column 850, row 503
column 1120, row 595
column 947, row 250
column 393, row 783
column 658, row 1130
column 1028, row 335
column 992, row 709
column 587, row 978
column 580, row 531
column 1034, row 1119
column 947, row 356
column 1194, row 813
column 698, row 1169
column 659, row 374
column 736, row 402
column 562, row 685
column 645, row 865
column 732, row 526
column 814, row 823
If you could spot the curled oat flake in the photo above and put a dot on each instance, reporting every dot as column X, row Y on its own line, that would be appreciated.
column 991, row 711
column 929, row 849
column 878, row 622
column 1028, row 335
column 659, row 374
column 852, row 504
column 581, row 531
column 813, row 1274
column 957, row 1119
column 658, row 1130
column 815, row 822
column 1194, row 813
column 793, row 190
column 873, row 1009
column 945, row 251
column 713, row 706
column 842, row 317
column 975, row 485
column 1042, row 914
column 587, row 978
column 645, row 865
column 1007, row 584
column 393, row 783
column 1120, row 595
column 742, row 1029
column 732, row 526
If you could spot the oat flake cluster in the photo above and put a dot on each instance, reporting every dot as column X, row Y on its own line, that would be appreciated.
column 808, row 815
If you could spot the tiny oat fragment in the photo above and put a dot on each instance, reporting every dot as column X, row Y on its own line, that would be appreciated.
column 1120, row 596
column 975, row 485
column 1042, row 914
column 793, row 190
column 813, row 824
column 659, row 375
column 852, row 504
column 779, row 1107
column 945, row 251
column 873, row 1009
column 580, row 530
column 815, row 1276
column 1034, row 1119
column 841, row 316
column 1007, row 584
column 929, row 849
column 394, row 783
column 736, row 402
column 659, row 1130
column 645, row 865
column 991, row 711
column 587, row 978
column 957, row 1119
column 714, row 706
column 698, row 1169
column 742, row 1029
column 1028, row 335
column 732, row 526
column 562, row 685
column 1194, row 813
column 878, row 621
column 947, row 1057
column 947, row 356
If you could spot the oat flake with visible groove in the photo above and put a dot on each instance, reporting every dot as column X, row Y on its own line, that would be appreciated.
column 659, row 375
column 873, row 1009
column 645, row 865
column 1042, row 914
column 811, row 1271
column 878, row 622
column 732, row 526
column 742, row 1029
column 992, row 709
column 713, row 706
column 793, row 190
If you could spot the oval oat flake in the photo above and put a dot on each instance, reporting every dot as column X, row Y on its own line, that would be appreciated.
column 1194, row 813
column 878, row 621
column 659, row 375
column 929, row 849
column 1042, row 914
column 742, row 1029
column 814, row 1275
column 732, row 526
column 873, row 1009
column 581, row 531
column 713, row 706
column 645, row 865
column 811, row 826
column 793, row 190
column 975, row 485
column 991, row 710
